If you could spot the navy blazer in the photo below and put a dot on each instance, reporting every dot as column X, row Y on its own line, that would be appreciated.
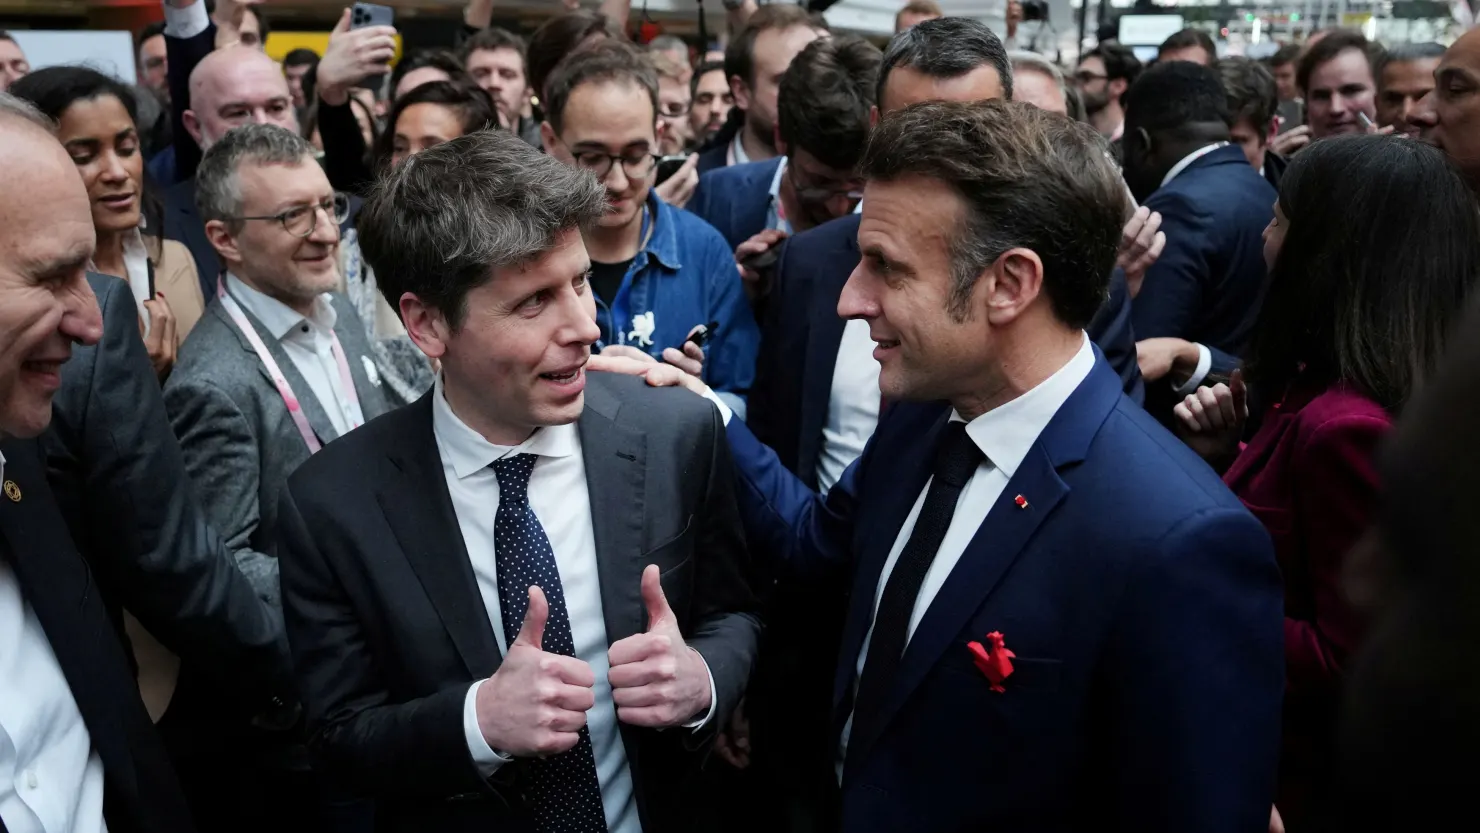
column 1209, row 281
column 713, row 157
column 736, row 199
column 1142, row 601
column 788, row 402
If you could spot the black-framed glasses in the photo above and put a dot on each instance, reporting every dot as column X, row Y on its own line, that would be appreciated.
column 673, row 109
column 1085, row 76
column 810, row 193
column 301, row 220
column 599, row 162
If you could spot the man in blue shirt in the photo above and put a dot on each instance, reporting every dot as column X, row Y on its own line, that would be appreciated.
column 657, row 271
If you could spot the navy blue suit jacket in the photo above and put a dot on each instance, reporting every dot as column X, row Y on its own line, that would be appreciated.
column 788, row 402
column 1142, row 600
column 712, row 157
column 1209, row 281
column 736, row 199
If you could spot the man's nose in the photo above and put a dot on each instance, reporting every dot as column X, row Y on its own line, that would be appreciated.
column 857, row 300
column 1423, row 114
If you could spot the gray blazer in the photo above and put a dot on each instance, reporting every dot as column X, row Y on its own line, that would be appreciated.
column 239, row 441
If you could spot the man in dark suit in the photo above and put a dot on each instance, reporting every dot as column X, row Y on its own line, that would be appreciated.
column 77, row 751
column 822, row 123
column 497, row 596
column 1208, row 284
column 1059, row 618
column 121, row 482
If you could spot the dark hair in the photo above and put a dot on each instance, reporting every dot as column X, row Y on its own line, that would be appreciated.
column 703, row 70
column 825, row 98
column 153, row 30
column 1287, row 54
column 1405, row 53
column 1028, row 178
column 473, row 106
column 1349, row 300
column 1251, row 91
column 491, row 39
column 301, row 57
column 439, row 224
column 1173, row 95
column 740, row 54
column 435, row 58
column 1186, row 39
column 946, row 47
column 1120, row 62
column 559, row 37
column 1328, row 48
column 611, row 61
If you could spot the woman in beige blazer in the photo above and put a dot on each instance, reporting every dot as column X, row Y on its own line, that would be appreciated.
column 96, row 120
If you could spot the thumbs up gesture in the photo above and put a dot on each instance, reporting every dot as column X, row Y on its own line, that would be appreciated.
column 536, row 703
column 657, row 680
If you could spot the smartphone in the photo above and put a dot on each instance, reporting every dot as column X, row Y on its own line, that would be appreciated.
column 363, row 16
column 1366, row 123
column 702, row 335
column 668, row 166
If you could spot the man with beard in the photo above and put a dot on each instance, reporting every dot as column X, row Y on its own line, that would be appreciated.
column 1103, row 76
column 710, row 101
column 1449, row 116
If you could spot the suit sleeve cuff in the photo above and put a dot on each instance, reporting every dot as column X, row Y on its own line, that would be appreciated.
column 484, row 757
column 696, row 725
column 1204, row 364
column 188, row 22
column 724, row 410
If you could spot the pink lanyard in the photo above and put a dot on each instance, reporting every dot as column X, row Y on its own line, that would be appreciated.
column 284, row 389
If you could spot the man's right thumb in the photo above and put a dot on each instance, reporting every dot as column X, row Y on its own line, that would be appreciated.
column 343, row 25
column 532, row 632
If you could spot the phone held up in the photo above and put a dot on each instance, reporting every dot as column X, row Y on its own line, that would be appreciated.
column 668, row 166
column 702, row 334
column 363, row 16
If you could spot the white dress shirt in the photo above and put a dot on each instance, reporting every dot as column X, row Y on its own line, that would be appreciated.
column 51, row 780
column 187, row 22
column 309, row 344
column 852, row 404
column 1004, row 435
column 559, row 498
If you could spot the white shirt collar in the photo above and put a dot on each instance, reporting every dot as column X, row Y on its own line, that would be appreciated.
column 737, row 154
column 468, row 451
column 1007, row 432
column 276, row 316
column 1189, row 159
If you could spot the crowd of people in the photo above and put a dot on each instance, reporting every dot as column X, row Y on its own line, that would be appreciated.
column 567, row 434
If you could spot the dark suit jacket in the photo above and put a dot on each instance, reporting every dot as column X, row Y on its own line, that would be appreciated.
column 388, row 628
column 120, row 480
column 1310, row 476
column 140, row 794
column 1141, row 599
column 1209, row 281
column 182, row 222
column 184, row 54
column 712, row 157
column 800, row 335
column 736, row 199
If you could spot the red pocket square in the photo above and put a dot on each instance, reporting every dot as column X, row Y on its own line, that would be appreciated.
column 993, row 660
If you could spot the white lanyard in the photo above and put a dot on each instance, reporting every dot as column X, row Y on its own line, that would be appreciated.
column 295, row 410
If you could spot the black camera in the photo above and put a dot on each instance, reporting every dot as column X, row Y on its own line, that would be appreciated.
column 1035, row 10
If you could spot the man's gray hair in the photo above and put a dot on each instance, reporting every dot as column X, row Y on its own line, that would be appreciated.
column 18, row 108
column 440, row 224
column 218, row 192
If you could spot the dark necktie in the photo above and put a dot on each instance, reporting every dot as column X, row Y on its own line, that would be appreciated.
column 956, row 459
column 563, row 789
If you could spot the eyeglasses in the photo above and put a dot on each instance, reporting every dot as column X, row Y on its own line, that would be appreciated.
column 301, row 220
column 810, row 193
column 636, row 165
column 1084, row 76
column 673, row 109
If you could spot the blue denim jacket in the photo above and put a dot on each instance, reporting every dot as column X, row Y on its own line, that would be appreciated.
column 684, row 276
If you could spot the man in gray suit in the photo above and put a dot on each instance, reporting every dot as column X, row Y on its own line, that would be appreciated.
column 499, row 595
column 278, row 365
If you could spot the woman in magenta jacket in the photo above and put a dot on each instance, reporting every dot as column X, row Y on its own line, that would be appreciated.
column 1374, row 246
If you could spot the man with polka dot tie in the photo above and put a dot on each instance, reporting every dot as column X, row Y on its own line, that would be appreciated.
column 519, row 603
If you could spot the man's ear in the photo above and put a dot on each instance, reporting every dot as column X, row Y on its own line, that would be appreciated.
column 223, row 241
column 425, row 325
column 741, row 92
column 1014, row 282
column 1116, row 87
column 1274, row 130
column 547, row 138
column 192, row 126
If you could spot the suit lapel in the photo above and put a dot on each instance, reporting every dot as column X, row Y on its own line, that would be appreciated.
column 57, row 583
column 419, row 510
column 820, row 360
column 616, row 475
column 318, row 418
column 903, row 477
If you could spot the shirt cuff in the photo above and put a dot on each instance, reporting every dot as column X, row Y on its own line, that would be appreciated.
column 1204, row 364
column 696, row 725
column 724, row 410
column 188, row 22
column 484, row 757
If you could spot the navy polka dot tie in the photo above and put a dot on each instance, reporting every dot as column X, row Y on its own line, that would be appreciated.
column 563, row 789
